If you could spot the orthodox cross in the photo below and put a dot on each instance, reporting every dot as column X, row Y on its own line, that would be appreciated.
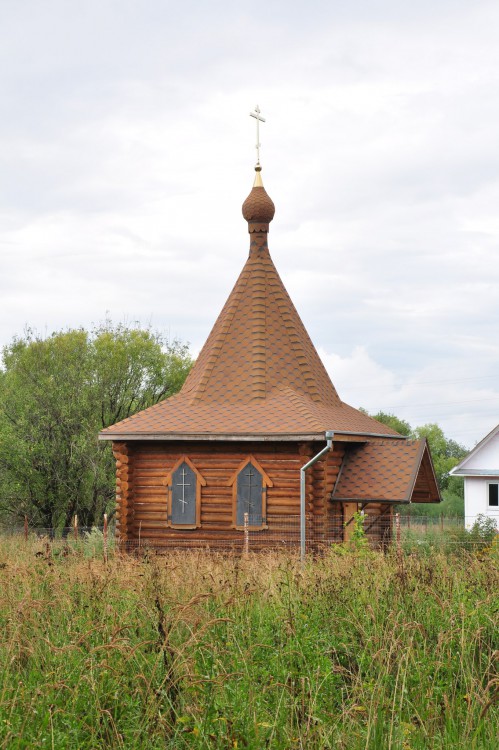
column 259, row 119
column 183, row 484
column 250, row 474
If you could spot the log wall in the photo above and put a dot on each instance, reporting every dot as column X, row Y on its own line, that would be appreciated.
column 142, row 469
column 141, row 486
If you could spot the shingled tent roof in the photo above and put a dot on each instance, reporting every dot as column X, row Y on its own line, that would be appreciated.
column 258, row 374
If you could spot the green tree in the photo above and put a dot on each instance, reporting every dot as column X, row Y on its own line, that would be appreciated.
column 399, row 425
column 445, row 454
column 56, row 393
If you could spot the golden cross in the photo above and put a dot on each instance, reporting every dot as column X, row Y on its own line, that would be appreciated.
column 259, row 119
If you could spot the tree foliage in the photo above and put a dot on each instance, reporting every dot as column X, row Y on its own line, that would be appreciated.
column 399, row 425
column 446, row 454
column 56, row 393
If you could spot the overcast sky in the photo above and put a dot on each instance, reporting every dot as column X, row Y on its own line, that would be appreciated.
column 127, row 149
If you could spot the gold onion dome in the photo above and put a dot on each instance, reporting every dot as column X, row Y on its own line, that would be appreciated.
column 258, row 208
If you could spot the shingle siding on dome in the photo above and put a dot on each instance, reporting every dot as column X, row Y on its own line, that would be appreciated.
column 258, row 210
column 259, row 344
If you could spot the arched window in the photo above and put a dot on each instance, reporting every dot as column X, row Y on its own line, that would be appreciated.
column 184, row 495
column 249, row 493
column 249, row 496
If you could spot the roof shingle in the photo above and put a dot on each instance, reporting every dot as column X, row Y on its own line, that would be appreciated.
column 387, row 471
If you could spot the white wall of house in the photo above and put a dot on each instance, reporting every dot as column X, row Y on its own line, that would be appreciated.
column 486, row 458
column 476, row 499
column 480, row 470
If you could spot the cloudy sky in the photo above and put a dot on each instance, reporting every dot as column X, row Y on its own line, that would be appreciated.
column 127, row 149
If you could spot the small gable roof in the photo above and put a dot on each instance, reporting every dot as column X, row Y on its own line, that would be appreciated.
column 483, row 460
column 393, row 471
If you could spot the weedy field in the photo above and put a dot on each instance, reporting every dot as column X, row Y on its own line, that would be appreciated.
column 357, row 650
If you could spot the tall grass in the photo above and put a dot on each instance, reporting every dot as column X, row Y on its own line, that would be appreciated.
column 189, row 650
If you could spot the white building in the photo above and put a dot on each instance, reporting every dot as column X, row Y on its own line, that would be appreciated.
column 480, row 470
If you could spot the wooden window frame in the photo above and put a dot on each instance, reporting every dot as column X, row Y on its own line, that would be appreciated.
column 200, row 482
column 266, row 482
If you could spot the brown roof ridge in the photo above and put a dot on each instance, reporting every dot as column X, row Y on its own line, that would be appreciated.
column 259, row 319
column 299, row 400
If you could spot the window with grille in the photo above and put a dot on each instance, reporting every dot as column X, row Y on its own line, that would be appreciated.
column 183, row 510
column 184, row 495
column 249, row 494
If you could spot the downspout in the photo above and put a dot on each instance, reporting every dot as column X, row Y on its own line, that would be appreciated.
column 329, row 438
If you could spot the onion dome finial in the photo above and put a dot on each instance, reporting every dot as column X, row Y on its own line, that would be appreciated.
column 258, row 208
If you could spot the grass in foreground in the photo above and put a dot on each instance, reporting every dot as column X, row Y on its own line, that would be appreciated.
column 358, row 650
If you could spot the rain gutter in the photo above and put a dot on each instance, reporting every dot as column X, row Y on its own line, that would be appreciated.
column 329, row 439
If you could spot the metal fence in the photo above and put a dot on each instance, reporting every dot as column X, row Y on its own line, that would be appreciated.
column 406, row 532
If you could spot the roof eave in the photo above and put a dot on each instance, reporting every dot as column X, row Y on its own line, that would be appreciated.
column 368, row 500
column 456, row 470
column 390, row 435
column 474, row 472
column 211, row 436
column 245, row 436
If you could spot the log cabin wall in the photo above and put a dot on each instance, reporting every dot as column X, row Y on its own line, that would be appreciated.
column 124, row 489
column 321, row 478
column 334, row 514
column 142, row 470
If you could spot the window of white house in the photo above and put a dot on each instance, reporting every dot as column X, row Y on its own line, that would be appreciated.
column 493, row 494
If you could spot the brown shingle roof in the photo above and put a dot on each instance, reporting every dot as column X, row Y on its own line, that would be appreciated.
column 398, row 471
column 258, row 343
column 283, row 412
column 258, row 372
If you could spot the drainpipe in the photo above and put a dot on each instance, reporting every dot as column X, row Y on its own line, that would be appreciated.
column 329, row 438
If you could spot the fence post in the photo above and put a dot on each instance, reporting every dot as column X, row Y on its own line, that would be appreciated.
column 409, row 519
column 104, row 538
column 25, row 528
column 76, row 527
column 397, row 533
column 441, row 521
column 246, row 535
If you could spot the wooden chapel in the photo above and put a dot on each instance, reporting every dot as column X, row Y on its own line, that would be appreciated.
column 254, row 409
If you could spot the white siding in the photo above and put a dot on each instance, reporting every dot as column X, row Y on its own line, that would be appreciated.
column 486, row 458
column 476, row 499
